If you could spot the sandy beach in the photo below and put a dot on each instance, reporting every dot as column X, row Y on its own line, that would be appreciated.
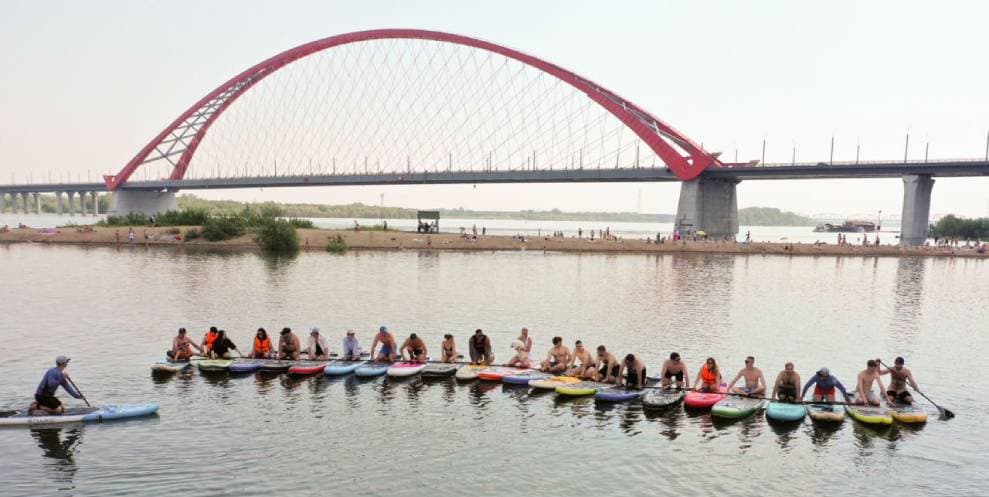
column 317, row 239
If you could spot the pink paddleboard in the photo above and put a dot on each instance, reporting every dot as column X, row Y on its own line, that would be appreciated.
column 700, row 400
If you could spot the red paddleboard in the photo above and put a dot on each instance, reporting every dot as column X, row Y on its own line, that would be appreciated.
column 307, row 368
column 700, row 400
column 496, row 373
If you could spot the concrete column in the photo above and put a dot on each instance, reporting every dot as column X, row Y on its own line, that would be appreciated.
column 37, row 201
column 916, row 208
column 27, row 202
column 708, row 205
column 3, row 202
column 130, row 201
column 72, row 205
column 58, row 203
column 96, row 203
column 82, row 203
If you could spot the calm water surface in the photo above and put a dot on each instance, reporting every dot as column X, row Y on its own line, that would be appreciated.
column 114, row 311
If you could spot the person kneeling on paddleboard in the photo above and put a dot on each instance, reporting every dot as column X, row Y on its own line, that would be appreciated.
column 824, row 385
column 709, row 378
column 351, row 347
column 635, row 372
column 415, row 347
column 288, row 345
column 479, row 346
column 587, row 363
column 222, row 346
column 787, row 384
column 609, row 366
column 317, row 349
column 182, row 347
column 262, row 345
column 899, row 377
column 521, row 357
column 863, row 385
column 557, row 358
column 44, row 396
column 674, row 367
column 388, row 347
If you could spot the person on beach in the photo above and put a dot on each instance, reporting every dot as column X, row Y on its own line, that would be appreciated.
column 415, row 347
column 525, row 339
column 261, row 348
column 317, row 348
column 479, row 346
column 557, row 359
column 208, row 338
column 521, row 357
column 709, row 378
column 863, row 385
column 44, row 397
column 389, row 348
column 635, row 372
column 587, row 363
column 449, row 347
column 899, row 377
column 755, row 382
column 787, row 384
column 609, row 366
column 182, row 347
column 289, row 346
column 674, row 368
column 222, row 347
column 824, row 386
column 351, row 347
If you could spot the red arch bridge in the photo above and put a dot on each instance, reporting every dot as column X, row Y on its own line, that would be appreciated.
column 403, row 107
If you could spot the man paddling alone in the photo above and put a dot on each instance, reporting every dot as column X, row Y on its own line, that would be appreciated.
column 44, row 396
column 824, row 386
column 674, row 368
column 182, row 347
column 899, row 377
column 388, row 346
column 755, row 382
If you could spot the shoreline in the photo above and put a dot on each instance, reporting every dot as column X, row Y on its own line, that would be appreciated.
column 317, row 239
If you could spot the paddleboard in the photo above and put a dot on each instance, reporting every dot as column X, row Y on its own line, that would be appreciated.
column 734, row 407
column 496, row 373
column 870, row 415
column 403, row 369
column 826, row 413
column 372, row 369
column 704, row 400
column 785, row 412
column 624, row 393
column 307, row 367
column 660, row 398
column 525, row 377
column 214, row 365
column 276, row 366
column 340, row 368
column 439, row 370
column 82, row 415
column 552, row 382
column 166, row 366
column 581, row 389
column 469, row 372
column 245, row 366
column 907, row 413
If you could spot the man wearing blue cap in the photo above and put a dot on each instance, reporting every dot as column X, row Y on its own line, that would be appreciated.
column 44, row 396
column 388, row 346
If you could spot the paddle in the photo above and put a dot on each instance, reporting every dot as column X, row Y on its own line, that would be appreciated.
column 77, row 389
column 944, row 414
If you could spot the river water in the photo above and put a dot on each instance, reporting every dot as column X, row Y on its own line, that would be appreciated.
column 115, row 310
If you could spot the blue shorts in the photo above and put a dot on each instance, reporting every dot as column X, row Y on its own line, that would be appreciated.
column 385, row 350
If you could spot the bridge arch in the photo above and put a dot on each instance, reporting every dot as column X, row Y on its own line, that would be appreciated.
column 178, row 142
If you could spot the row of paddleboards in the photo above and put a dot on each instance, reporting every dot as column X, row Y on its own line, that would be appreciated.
column 720, row 403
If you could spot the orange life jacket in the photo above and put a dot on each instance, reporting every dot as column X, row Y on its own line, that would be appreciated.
column 708, row 376
column 209, row 338
column 262, row 346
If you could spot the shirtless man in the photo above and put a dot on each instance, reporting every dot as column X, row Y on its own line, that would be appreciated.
column 674, row 367
column 388, row 347
column 415, row 347
column 863, row 386
column 182, row 347
column 609, row 366
column 557, row 358
column 787, row 384
column 755, row 382
column 587, row 363
column 635, row 372
column 899, row 377
column 288, row 345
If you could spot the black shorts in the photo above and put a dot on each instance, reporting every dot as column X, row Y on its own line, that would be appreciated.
column 901, row 397
column 603, row 372
column 49, row 401
column 678, row 376
column 632, row 377
column 787, row 393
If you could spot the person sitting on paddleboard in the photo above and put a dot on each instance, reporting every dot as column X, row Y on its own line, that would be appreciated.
column 222, row 346
column 351, row 347
column 415, row 347
column 674, row 367
column 288, row 345
column 557, row 359
column 449, row 347
column 388, row 346
column 587, row 363
column 899, row 376
column 526, row 340
column 863, row 385
column 824, row 385
column 755, row 382
column 317, row 349
column 709, row 378
column 44, row 396
column 609, row 366
column 635, row 372
column 787, row 384
column 208, row 338
column 182, row 347
column 262, row 345
column 479, row 346
column 521, row 357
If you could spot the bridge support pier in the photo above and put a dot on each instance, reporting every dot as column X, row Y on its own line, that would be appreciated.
column 3, row 202
column 82, row 203
column 132, row 201
column 708, row 205
column 58, row 203
column 72, row 204
column 96, row 203
column 27, row 202
column 916, row 208
column 37, row 201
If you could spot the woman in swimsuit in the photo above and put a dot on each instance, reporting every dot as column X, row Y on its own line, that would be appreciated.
column 521, row 358
column 449, row 348
column 787, row 384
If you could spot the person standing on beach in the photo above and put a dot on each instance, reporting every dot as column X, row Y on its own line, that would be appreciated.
column 131, row 236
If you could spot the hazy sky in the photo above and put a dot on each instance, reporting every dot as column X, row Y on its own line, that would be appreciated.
column 85, row 84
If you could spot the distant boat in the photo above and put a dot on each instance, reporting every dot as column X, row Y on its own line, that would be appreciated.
column 848, row 227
